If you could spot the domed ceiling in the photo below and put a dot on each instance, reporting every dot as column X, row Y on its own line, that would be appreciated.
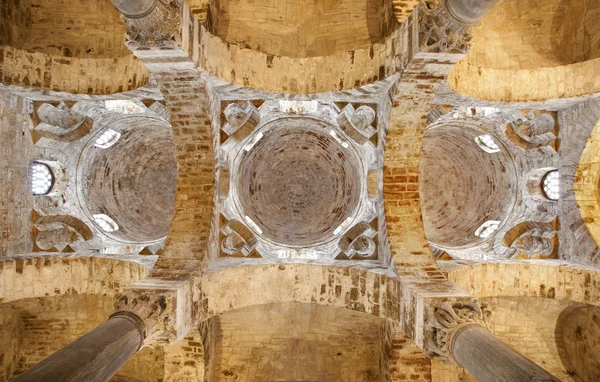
column 296, row 181
column 298, row 184
column 462, row 186
column 133, row 181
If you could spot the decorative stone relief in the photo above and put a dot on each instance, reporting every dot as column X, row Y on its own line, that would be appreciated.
column 156, row 311
column 58, row 231
column 533, row 239
column 440, row 31
column 532, row 132
column 242, row 119
column 358, row 242
column 239, row 240
column 357, row 122
column 445, row 318
column 60, row 123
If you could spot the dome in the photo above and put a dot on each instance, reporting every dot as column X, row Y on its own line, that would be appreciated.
column 462, row 185
column 133, row 181
column 299, row 182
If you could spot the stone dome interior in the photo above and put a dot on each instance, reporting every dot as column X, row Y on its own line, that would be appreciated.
column 298, row 184
column 463, row 186
column 133, row 182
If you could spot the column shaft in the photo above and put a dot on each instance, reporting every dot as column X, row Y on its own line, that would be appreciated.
column 470, row 11
column 490, row 360
column 135, row 9
column 94, row 357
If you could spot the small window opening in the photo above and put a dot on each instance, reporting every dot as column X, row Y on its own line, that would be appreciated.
column 487, row 143
column 42, row 179
column 106, row 223
column 551, row 184
column 107, row 139
column 487, row 229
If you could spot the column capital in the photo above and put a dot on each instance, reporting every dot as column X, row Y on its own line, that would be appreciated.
column 446, row 318
column 151, row 310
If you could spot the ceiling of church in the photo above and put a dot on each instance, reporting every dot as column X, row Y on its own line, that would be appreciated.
column 301, row 189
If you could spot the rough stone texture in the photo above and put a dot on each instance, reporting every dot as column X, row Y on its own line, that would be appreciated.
column 350, row 288
column 534, row 278
column 15, row 195
column 184, row 93
column 299, row 186
column 52, row 322
column 521, row 171
column 184, row 360
column 305, row 28
column 550, row 51
column 586, row 185
column 278, row 342
column 11, row 339
column 342, row 70
column 407, row 361
column 51, row 275
column 76, row 47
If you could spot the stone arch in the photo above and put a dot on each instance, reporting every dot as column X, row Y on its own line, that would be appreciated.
column 537, row 278
column 349, row 288
column 330, row 60
column 587, row 184
column 554, row 42
column 576, row 331
column 31, row 276
column 42, row 46
column 294, row 332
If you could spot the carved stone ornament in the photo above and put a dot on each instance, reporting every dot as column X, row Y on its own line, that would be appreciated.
column 439, row 31
column 446, row 318
column 155, row 309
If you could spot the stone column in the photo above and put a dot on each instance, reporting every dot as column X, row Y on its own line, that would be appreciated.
column 489, row 359
column 143, row 317
column 95, row 357
column 459, row 334
column 135, row 9
column 469, row 11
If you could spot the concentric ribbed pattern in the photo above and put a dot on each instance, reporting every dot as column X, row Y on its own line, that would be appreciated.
column 298, row 183
column 133, row 181
column 462, row 186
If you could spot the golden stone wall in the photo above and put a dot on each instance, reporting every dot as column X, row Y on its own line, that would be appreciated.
column 587, row 184
column 551, row 50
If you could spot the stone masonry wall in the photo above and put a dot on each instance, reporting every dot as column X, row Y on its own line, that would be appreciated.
column 16, row 200
column 298, row 342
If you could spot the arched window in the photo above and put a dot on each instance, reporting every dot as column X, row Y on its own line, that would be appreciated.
column 550, row 185
column 487, row 228
column 487, row 143
column 42, row 179
column 106, row 223
column 107, row 139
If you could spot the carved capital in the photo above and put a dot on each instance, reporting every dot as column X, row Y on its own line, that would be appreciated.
column 155, row 309
column 440, row 31
column 446, row 318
